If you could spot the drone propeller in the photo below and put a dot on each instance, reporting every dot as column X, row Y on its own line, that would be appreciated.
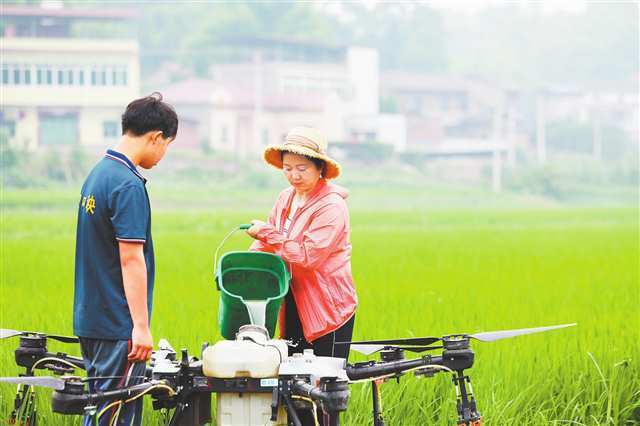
column 370, row 349
column 5, row 333
column 421, row 344
column 411, row 341
column 492, row 336
column 44, row 381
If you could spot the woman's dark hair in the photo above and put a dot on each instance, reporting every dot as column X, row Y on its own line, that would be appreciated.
column 150, row 114
column 316, row 161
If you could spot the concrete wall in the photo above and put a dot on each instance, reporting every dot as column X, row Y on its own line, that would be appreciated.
column 362, row 65
column 222, row 130
column 91, row 126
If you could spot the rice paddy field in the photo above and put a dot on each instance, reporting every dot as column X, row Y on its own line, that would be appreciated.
column 421, row 269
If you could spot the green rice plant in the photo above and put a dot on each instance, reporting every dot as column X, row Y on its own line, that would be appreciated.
column 418, row 272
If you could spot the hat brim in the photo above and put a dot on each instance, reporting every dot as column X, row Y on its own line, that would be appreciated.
column 273, row 155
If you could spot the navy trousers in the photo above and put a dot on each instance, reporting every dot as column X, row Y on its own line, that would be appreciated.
column 108, row 358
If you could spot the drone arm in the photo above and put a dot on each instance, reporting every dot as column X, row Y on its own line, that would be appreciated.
column 334, row 394
column 72, row 399
column 78, row 362
column 305, row 389
column 36, row 358
column 371, row 370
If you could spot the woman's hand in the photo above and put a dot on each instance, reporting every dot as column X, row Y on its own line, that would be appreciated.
column 256, row 226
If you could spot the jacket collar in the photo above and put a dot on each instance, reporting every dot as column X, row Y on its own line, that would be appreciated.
column 322, row 189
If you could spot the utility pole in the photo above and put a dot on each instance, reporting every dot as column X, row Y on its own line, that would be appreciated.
column 597, row 135
column 496, row 169
column 511, row 136
column 541, row 143
column 498, row 144
column 257, row 103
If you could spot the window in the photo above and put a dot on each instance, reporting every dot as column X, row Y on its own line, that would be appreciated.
column 58, row 129
column 110, row 129
column 63, row 75
column 224, row 136
column 98, row 76
column 9, row 126
column 108, row 76
column 44, row 75
column 120, row 76
column 5, row 74
column 39, row 74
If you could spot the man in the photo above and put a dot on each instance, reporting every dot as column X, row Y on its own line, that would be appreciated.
column 114, row 268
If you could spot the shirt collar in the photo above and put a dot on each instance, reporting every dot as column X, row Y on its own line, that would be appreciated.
column 121, row 158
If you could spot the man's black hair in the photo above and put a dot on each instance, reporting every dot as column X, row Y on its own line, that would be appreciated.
column 150, row 114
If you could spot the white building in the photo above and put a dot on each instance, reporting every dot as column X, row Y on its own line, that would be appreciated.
column 277, row 84
column 60, row 90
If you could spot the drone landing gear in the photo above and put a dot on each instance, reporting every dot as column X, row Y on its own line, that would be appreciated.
column 24, row 409
column 378, row 419
column 465, row 402
column 195, row 410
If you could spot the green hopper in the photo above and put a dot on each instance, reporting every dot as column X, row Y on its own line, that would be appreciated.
column 248, row 276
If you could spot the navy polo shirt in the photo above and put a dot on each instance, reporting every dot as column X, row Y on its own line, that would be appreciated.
column 114, row 206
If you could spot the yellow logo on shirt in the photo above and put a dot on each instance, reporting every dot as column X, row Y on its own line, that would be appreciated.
column 89, row 204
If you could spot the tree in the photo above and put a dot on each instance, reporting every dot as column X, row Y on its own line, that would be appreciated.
column 407, row 35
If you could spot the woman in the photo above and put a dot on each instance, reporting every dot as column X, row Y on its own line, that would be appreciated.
column 309, row 228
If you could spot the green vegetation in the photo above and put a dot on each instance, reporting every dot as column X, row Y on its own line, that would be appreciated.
column 525, row 46
column 419, row 270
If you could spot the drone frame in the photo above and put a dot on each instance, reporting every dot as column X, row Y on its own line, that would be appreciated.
column 187, row 391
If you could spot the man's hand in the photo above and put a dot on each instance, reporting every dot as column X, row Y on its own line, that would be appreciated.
column 256, row 226
column 141, row 344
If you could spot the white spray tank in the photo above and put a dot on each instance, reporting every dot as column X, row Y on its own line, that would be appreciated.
column 251, row 355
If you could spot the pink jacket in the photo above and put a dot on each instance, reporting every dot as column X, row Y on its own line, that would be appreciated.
column 318, row 252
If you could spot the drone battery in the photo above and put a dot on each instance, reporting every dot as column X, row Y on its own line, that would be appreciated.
column 246, row 409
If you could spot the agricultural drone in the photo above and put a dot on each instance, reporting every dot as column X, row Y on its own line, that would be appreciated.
column 181, row 385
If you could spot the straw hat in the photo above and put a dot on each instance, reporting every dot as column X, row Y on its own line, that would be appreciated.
column 303, row 141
